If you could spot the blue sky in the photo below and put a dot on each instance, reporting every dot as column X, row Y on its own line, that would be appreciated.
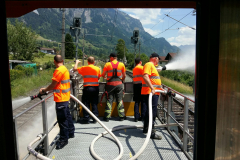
column 155, row 22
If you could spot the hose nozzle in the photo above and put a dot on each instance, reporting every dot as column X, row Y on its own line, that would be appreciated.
column 38, row 96
column 170, row 93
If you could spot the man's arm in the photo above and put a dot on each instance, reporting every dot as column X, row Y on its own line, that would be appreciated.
column 148, row 82
column 104, row 74
column 123, row 76
column 49, row 88
column 76, row 65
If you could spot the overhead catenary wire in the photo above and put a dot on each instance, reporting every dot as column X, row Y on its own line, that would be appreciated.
column 160, row 20
column 169, row 27
column 180, row 22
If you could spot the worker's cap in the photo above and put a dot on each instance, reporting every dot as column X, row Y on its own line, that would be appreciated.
column 154, row 55
column 113, row 55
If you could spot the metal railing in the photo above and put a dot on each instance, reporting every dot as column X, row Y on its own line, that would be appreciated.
column 45, row 133
column 186, row 135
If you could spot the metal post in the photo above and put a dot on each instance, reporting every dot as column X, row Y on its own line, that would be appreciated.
column 45, row 126
column 164, row 113
column 16, row 138
column 76, row 39
column 185, row 121
column 63, row 34
column 134, row 53
column 169, row 109
column 139, row 48
column 83, row 49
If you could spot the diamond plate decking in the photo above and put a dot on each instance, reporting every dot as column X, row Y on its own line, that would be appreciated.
column 106, row 148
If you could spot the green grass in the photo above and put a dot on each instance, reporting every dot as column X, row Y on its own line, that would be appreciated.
column 20, row 87
column 182, row 88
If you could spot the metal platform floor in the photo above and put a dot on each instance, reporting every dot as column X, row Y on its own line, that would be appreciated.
column 78, row 148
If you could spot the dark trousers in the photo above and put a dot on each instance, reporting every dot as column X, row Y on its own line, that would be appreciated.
column 64, row 119
column 137, row 97
column 116, row 91
column 154, row 108
column 90, row 96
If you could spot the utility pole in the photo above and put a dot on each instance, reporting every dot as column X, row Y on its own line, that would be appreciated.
column 63, row 34
column 139, row 48
column 83, row 49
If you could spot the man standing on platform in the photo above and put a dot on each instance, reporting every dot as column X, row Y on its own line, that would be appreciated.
column 137, row 87
column 61, row 87
column 91, row 75
column 151, row 82
column 116, row 74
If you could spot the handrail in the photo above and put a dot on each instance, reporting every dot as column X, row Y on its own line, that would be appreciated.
column 33, row 106
column 178, row 93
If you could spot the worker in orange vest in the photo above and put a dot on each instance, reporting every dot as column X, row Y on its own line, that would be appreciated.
column 137, row 87
column 61, row 87
column 91, row 75
column 116, row 74
column 151, row 82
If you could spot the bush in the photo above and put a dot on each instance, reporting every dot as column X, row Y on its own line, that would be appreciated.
column 49, row 64
column 19, row 67
column 16, row 74
column 28, row 71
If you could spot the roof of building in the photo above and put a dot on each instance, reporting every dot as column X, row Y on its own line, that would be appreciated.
column 18, row 61
column 162, row 59
column 47, row 49
column 170, row 55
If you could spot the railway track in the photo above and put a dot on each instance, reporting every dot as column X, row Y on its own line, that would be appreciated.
column 178, row 110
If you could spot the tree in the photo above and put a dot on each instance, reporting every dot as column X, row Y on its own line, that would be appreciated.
column 22, row 41
column 120, row 49
column 144, row 58
column 69, row 47
column 130, row 60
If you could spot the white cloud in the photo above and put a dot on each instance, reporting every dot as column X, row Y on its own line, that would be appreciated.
column 134, row 16
column 186, row 36
column 171, row 39
column 151, row 32
column 146, row 16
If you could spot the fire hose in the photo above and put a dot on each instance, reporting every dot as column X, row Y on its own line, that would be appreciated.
column 38, row 155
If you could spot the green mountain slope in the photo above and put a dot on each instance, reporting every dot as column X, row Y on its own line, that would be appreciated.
column 48, row 24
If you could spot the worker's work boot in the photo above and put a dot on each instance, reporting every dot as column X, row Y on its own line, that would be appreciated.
column 154, row 135
column 105, row 119
column 61, row 144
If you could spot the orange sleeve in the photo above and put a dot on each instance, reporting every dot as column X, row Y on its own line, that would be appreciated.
column 147, row 69
column 57, row 76
column 123, row 69
column 99, row 72
column 105, row 67
column 80, row 70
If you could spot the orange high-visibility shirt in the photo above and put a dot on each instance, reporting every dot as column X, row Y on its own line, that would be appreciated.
column 62, row 89
column 137, row 74
column 90, row 74
column 109, row 69
column 154, row 77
